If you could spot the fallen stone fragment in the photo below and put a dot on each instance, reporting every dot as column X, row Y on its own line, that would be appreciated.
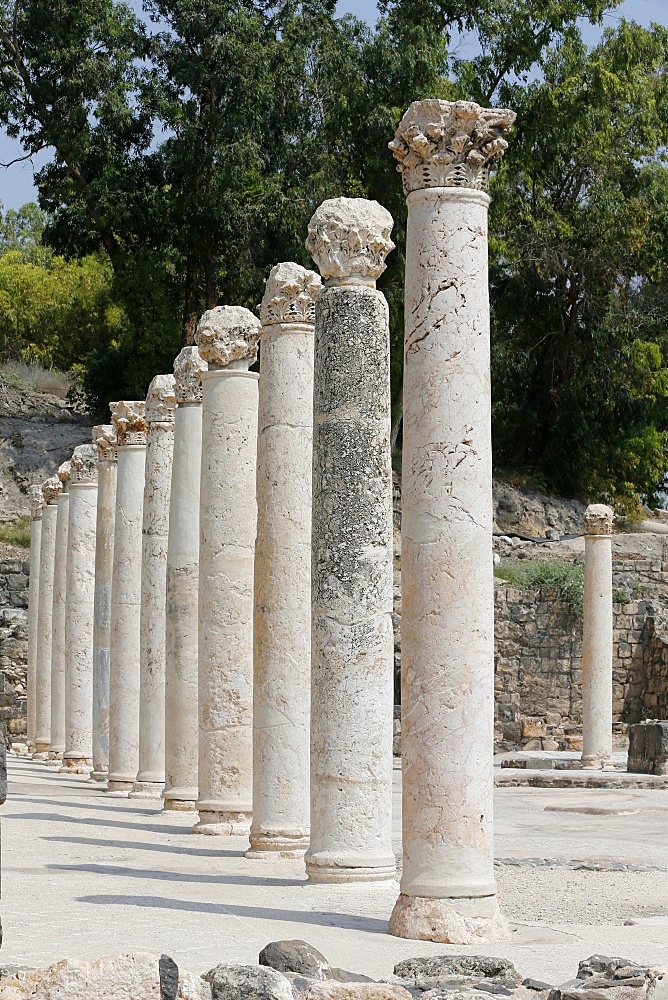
column 134, row 976
column 343, row 976
column 230, row 981
column 537, row 985
column 354, row 991
column 296, row 956
column 597, row 964
column 169, row 978
column 444, row 967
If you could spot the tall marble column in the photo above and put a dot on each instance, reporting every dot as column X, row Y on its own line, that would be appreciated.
column 36, row 509
column 57, row 745
column 128, row 422
column 51, row 490
column 78, row 756
column 448, row 891
column 104, row 438
column 181, row 714
column 282, row 610
column 597, row 638
column 160, row 405
column 351, row 602
column 227, row 338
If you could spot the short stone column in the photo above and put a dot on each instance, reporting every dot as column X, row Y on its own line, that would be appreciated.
column 36, row 509
column 448, row 890
column 181, row 714
column 597, row 638
column 227, row 339
column 79, row 616
column 128, row 422
column 104, row 438
column 351, row 602
column 160, row 405
column 51, row 490
column 57, row 745
column 282, row 616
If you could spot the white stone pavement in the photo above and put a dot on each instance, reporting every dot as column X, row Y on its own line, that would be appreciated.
column 85, row 874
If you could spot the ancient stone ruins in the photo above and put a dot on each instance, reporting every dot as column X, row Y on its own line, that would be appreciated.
column 211, row 579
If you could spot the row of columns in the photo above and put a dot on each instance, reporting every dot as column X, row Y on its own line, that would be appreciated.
column 228, row 639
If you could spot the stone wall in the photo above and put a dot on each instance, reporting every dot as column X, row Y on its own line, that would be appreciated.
column 13, row 644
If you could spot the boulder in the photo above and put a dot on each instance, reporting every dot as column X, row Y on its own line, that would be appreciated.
column 230, row 981
column 296, row 956
column 441, row 970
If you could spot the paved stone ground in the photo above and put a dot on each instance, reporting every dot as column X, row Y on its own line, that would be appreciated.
column 85, row 875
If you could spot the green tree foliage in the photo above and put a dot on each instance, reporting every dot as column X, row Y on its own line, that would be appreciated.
column 580, row 320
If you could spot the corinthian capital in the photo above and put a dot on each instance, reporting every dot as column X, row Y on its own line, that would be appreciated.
column 289, row 295
column 52, row 489
column 226, row 334
column 84, row 464
column 188, row 368
column 104, row 439
column 599, row 519
column 349, row 239
column 450, row 144
column 160, row 401
column 36, row 502
column 128, row 420
column 64, row 472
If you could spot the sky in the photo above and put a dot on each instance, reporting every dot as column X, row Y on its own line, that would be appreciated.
column 16, row 181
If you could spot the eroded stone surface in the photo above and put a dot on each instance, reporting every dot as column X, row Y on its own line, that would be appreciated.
column 599, row 519
column 290, row 295
column 597, row 638
column 296, row 956
column 188, row 368
column 51, row 490
column 58, row 657
column 129, row 421
column 230, row 981
column 227, row 334
column 36, row 510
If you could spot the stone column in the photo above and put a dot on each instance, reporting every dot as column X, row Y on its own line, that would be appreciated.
column 181, row 715
column 227, row 339
column 36, row 508
column 51, row 490
column 351, row 602
column 57, row 745
column 128, row 422
column 160, row 405
column 282, row 613
column 78, row 756
column 597, row 638
column 448, row 892
column 104, row 437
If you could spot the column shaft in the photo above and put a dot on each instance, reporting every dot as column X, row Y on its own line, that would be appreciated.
column 160, row 402
column 44, row 630
column 78, row 756
column 58, row 655
column 597, row 639
column 125, row 616
column 104, row 556
column 282, row 610
column 37, row 503
column 181, row 712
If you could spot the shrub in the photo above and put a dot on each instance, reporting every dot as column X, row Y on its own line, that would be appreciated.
column 530, row 574
column 16, row 532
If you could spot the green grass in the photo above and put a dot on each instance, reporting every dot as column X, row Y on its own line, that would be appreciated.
column 16, row 532
column 531, row 574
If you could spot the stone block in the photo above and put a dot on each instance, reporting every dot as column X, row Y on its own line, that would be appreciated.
column 648, row 748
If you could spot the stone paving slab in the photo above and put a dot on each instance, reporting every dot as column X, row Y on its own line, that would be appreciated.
column 545, row 778
column 85, row 875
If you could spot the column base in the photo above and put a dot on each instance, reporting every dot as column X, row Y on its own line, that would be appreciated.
column 99, row 775
column 55, row 753
column 596, row 762
column 119, row 784
column 449, row 921
column 266, row 845
column 146, row 790
column 40, row 755
column 54, row 759
column 223, row 824
column 362, row 867
column 76, row 765
column 41, row 747
column 180, row 798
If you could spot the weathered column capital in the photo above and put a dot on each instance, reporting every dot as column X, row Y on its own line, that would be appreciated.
column 128, row 419
column 188, row 368
column 36, row 502
column 52, row 489
column 349, row 239
column 599, row 519
column 290, row 295
column 450, row 144
column 64, row 473
column 227, row 335
column 160, row 401
column 104, row 439
column 84, row 465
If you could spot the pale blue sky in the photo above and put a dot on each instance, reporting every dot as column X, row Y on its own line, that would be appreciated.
column 16, row 182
